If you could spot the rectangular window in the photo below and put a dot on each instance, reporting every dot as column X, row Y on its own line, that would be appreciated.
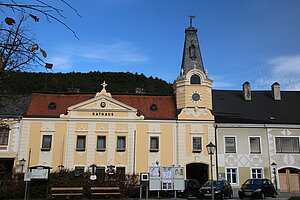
column 80, row 143
column 256, row 173
column 46, row 143
column 255, row 145
column 230, row 146
column 4, row 133
column 231, row 174
column 101, row 143
column 154, row 144
column 197, row 144
column 287, row 145
column 121, row 143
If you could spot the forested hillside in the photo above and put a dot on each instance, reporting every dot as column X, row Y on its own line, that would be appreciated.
column 118, row 82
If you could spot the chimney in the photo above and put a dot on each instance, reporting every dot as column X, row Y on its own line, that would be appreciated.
column 246, row 91
column 139, row 91
column 276, row 91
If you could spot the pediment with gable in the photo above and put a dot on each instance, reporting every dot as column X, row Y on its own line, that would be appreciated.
column 102, row 106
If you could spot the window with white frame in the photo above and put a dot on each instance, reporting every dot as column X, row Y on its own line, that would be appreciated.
column 121, row 143
column 46, row 142
column 197, row 144
column 230, row 146
column 4, row 134
column 101, row 143
column 287, row 144
column 254, row 145
column 231, row 175
column 154, row 144
column 80, row 146
column 256, row 173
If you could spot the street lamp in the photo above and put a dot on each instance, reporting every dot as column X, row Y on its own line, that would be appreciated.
column 211, row 150
column 22, row 164
column 274, row 165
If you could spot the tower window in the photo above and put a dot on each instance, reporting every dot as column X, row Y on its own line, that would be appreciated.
column 195, row 79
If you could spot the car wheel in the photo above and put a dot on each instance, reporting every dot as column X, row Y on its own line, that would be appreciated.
column 223, row 196
column 241, row 196
column 262, row 195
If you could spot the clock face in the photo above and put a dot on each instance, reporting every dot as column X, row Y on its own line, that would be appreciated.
column 196, row 97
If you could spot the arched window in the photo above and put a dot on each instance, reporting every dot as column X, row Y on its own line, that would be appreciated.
column 195, row 79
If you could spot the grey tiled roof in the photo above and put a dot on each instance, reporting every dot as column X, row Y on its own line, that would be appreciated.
column 229, row 106
column 13, row 105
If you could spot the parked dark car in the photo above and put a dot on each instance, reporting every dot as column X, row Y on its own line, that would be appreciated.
column 191, row 190
column 222, row 189
column 257, row 188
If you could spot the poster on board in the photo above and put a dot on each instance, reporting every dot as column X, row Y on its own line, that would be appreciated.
column 154, row 172
column 167, row 172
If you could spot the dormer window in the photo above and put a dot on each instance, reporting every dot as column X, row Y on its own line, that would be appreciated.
column 153, row 107
column 52, row 106
column 195, row 79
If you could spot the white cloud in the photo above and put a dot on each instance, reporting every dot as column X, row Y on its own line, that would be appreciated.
column 119, row 53
column 286, row 65
column 115, row 52
column 219, row 81
column 285, row 70
column 61, row 63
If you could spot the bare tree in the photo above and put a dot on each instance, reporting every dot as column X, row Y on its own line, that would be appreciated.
column 18, row 49
column 35, row 8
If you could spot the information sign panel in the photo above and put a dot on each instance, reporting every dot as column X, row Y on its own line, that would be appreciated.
column 167, row 172
column 27, row 176
column 39, row 173
column 178, row 172
column 154, row 172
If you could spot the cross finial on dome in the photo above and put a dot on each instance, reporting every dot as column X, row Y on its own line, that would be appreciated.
column 103, row 85
column 103, row 91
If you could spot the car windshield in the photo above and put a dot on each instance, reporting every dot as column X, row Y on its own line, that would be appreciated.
column 216, row 184
column 253, row 182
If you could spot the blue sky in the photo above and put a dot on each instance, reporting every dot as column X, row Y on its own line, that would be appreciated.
column 241, row 40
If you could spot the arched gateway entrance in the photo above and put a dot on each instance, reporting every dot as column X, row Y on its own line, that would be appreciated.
column 289, row 179
column 197, row 171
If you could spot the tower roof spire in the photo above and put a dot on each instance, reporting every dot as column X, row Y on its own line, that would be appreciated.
column 191, row 58
column 191, row 20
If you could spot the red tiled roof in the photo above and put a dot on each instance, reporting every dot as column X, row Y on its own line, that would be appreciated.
column 39, row 104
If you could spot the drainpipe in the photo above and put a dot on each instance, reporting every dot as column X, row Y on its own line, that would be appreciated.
column 134, row 149
column 268, row 150
column 216, row 142
column 177, row 143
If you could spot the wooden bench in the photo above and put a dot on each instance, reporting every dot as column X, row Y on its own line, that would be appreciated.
column 105, row 191
column 66, row 192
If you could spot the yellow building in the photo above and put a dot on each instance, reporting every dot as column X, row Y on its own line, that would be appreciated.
column 130, row 132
